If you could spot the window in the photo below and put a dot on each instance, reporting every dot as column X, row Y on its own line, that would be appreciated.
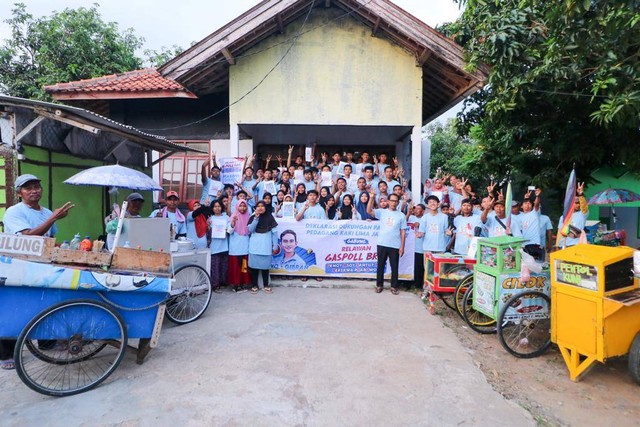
column 181, row 172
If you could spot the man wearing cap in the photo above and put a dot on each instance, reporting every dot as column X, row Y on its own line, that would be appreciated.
column 496, row 224
column 172, row 212
column 134, row 205
column 28, row 218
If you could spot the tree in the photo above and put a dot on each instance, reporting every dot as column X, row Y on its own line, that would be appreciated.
column 70, row 45
column 155, row 58
column 564, row 85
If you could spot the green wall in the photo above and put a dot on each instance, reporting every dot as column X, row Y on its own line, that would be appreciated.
column 611, row 178
column 90, row 202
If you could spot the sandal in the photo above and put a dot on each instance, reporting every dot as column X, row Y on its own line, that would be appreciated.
column 8, row 364
column 267, row 290
column 254, row 290
column 394, row 291
column 378, row 289
column 217, row 290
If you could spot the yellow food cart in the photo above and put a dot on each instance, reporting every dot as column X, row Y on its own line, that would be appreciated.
column 595, row 307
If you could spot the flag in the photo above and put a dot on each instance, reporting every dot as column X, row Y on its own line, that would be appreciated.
column 568, row 208
column 507, row 203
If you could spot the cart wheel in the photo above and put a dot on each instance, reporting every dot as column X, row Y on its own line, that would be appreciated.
column 70, row 347
column 477, row 321
column 525, row 334
column 461, row 288
column 634, row 359
column 459, row 272
column 190, row 295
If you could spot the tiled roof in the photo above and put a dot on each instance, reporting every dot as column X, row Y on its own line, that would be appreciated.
column 144, row 81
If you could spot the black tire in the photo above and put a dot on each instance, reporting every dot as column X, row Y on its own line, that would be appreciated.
column 461, row 288
column 68, row 368
column 447, row 299
column 190, row 295
column 634, row 359
column 527, row 335
column 477, row 321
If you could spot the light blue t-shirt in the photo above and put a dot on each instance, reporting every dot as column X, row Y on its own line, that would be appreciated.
column 219, row 245
column 315, row 212
column 248, row 187
column 578, row 220
column 21, row 217
column 455, row 200
column 391, row 222
column 494, row 229
column 309, row 185
column 545, row 224
column 434, row 228
column 465, row 226
column 416, row 226
column 530, row 227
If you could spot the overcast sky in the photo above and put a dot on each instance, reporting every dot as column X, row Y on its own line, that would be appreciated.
column 181, row 22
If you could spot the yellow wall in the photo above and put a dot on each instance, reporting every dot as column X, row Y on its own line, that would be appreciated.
column 335, row 74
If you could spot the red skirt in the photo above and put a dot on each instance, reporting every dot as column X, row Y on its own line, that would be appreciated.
column 238, row 271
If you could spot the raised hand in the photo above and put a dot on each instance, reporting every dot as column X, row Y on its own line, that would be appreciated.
column 580, row 189
column 395, row 161
column 63, row 210
column 538, row 192
column 491, row 187
column 375, row 159
column 290, row 150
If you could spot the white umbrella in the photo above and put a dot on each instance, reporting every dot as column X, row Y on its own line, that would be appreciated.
column 115, row 176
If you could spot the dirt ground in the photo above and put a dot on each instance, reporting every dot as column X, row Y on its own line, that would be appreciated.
column 605, row 395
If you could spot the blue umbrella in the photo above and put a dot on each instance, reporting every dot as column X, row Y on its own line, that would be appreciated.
column 115, row 176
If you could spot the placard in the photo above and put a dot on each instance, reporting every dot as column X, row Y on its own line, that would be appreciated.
column 231, row 169
column 340, row 170
column 218, row 227
column 17, row 244
column 308, row 154
column 288, row 210
column 576, row 274
column 298, row 175
column 270, row 187
column 326, row 180
column 215, row 187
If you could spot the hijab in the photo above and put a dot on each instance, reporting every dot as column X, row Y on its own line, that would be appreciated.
column 331, row 212
column 266, row 221
column 199, row 218
column 346, row 212
column 322, row 200
column 301, row 197
column 242, row 219
column 361, row 207
column 268, row 206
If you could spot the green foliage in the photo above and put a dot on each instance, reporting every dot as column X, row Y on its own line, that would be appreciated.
column 564, row 85
column 70, row 45
column 156, row 58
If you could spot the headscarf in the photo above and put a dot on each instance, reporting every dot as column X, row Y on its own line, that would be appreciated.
column 346, row 212
column 266, row 221
column 243, row 219
column 362, row 207
column 301, row 197
column 199, row 217
column 331, row 212
column 268, row 206
column 322, row 201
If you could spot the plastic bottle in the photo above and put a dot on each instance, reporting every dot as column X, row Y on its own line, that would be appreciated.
column 75, row 242
column 65, row 245
column 86, row 244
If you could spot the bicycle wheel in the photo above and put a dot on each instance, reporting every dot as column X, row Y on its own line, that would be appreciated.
column 449, row 280
column 461, row 288
column 524, row 324
column 477, row 321
column 72, row 364
column 447, row 299
column 190, row 295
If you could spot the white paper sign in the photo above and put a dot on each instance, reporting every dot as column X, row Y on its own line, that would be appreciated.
column 341, row 166
column 218, row 227
column 326, row 179
column 298, row 175
column 231, row 169
column 288, row 210
column 352, row 184
column 215, row 187
column 270, row 187
column 16, row 244
column 359, row 169
column 308, row 154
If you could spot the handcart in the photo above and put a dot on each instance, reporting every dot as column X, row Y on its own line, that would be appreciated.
column 595, row 309
column 71, row 318
column 500, row 301
column 443, row 271
column 191, row 291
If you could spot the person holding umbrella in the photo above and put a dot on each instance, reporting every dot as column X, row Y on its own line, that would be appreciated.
column 31, row 219
column 571, row 233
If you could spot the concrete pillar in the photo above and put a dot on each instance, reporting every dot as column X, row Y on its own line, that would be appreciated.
column 416, row 163
column 234, row 140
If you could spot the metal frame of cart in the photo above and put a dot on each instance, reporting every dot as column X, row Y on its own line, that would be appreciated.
column 442, row 273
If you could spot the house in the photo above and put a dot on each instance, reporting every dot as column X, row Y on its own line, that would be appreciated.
column 54, row 142
column 363, row 74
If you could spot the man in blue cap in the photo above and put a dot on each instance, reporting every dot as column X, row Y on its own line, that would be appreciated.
column 28, row 218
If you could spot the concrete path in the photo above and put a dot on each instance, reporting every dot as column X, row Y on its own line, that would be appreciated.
column 317, row 357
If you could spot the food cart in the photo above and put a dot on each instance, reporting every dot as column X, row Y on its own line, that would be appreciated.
column 500, row 300
column 595, row 309
column 72, row 312
column 443, row 272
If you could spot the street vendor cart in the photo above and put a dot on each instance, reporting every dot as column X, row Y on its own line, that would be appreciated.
column 518, row 310
column 72, row 312
column 443, row 272
column 595, row 309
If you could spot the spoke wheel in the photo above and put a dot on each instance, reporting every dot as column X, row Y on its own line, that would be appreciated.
column 461, row 288
column 449, row 279
column 190, row 295
column 71, row 347
column 524, row 330
column 477, row 321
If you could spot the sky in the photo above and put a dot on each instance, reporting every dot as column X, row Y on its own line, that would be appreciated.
column 169, row 22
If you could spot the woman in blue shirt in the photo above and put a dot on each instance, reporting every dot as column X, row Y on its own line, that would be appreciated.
column 238, row 273
column 263, row 244
column 219, row 223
